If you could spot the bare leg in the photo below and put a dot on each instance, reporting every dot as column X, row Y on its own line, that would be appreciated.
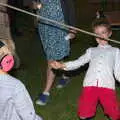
column 44, row 97
column 50, row 78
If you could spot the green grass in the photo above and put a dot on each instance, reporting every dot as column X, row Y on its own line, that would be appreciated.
column 63, row 104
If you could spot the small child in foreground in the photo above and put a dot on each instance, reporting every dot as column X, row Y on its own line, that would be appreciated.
column 15, row 101
column 99, row 82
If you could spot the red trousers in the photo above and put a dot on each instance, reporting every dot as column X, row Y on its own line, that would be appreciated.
column 90, row 97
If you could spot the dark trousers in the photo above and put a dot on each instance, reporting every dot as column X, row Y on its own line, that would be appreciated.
column 68, row 7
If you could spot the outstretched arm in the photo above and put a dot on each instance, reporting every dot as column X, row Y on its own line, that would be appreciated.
column 73, row 64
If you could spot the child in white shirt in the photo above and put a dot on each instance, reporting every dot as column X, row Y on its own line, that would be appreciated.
column 15, row 101
column 99, row 82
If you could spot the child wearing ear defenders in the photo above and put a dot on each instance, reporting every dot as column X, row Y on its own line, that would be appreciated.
column 15, row 101
column 99, row 82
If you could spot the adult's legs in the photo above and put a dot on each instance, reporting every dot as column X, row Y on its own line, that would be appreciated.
column 44, row 96
column 50, row 78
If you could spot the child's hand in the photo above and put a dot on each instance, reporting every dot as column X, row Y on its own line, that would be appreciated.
column 39, row 6
column 57, row 65
column 71, row 35
column 36, row 5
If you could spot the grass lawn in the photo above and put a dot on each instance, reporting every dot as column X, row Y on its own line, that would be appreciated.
column 63, row 103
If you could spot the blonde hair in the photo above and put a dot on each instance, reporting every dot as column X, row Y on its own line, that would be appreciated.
column 4, row 50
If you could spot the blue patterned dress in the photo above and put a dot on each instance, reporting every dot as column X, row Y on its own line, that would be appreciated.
column 53, row 36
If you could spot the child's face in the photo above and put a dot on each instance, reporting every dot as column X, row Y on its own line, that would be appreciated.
column 103, row 32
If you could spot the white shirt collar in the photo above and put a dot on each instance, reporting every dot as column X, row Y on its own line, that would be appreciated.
column 104, row 46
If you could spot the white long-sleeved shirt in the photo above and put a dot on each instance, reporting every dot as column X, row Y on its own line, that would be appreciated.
column 15, row 101
column 104, row 65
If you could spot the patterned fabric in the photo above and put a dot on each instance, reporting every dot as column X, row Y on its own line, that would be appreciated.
column 53, row 36
column 15, row 101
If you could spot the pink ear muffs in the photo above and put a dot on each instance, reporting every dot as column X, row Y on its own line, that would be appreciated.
column 7, row 63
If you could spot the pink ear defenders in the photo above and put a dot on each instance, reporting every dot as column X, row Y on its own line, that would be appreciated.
column 7, row 61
